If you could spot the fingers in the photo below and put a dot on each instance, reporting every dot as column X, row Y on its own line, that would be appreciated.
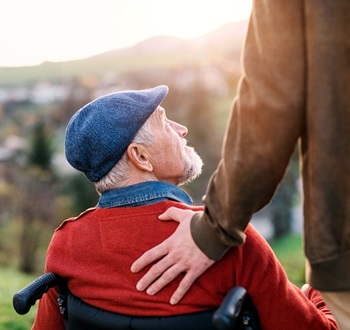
column 179, row 215
column 161, row 267
column 177, row 254
column 166, row 277
column 183, row 287
column 149, row 257
column 171, row 273
column 198, row 268
column 189, row 260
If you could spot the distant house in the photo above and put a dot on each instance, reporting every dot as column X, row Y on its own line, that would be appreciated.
column 45, row 93
column 11, row 151
column 39, row 93
column 10, row 147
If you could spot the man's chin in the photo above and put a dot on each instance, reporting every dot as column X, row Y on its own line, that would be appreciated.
column 193, row 167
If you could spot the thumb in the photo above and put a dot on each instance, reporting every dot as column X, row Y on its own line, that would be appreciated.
column 178, row 215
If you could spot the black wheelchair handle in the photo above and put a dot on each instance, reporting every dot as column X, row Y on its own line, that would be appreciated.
column 225, row 316
column 24, row 299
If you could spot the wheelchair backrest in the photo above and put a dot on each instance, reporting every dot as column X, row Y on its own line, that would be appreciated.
column 237, row 311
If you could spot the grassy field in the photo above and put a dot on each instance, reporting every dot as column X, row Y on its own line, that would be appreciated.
column 10, row 282
column 290, row 253
column 288, row 250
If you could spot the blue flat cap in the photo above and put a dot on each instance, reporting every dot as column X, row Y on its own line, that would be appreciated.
column 98, row 134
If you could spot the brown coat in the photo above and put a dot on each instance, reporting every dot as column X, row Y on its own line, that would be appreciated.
column 295, row 88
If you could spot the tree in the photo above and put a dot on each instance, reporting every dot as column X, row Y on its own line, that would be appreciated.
column 82, row 193
column 280, row 210
column 37, row 196
column 283, row 202
column 41, row 151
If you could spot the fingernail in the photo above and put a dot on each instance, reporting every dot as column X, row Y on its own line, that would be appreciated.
column 173, row 301
column 139, row 287
column 150, row 292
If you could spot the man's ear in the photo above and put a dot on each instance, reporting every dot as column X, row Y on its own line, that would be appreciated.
column 140, row 157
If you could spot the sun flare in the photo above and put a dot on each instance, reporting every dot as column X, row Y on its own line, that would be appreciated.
column 65, row 30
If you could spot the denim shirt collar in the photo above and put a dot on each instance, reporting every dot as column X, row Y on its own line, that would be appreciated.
column 144, row 193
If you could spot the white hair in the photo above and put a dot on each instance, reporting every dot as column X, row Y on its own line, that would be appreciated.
column 121, row 171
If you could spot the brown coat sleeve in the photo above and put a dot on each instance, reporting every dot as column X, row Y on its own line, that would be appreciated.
column 266, row 120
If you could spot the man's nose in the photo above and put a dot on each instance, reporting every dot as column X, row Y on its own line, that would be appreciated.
column 179, row 129
column 182, row 130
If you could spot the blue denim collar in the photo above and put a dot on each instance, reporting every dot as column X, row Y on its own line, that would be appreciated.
column 144, row 193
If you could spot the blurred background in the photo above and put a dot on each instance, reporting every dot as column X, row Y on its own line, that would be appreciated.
column 58, row 55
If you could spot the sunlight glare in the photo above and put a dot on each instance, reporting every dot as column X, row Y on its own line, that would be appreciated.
column 64, row 30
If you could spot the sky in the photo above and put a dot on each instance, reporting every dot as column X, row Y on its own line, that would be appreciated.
column 34, row 31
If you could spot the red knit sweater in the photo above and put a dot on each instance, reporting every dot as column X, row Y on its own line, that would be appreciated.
column 94, row 253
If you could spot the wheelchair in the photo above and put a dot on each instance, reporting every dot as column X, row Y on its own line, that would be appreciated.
column 237, row 311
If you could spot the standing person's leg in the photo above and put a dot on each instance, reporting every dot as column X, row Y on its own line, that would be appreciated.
column 327, row 218
column 339, row 304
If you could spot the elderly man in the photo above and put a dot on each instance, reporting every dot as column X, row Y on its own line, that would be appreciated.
column 137, row 158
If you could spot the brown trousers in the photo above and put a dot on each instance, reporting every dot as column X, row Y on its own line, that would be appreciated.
column 339, row 304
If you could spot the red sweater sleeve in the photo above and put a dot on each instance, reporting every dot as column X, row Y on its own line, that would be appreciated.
column 281, row 304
